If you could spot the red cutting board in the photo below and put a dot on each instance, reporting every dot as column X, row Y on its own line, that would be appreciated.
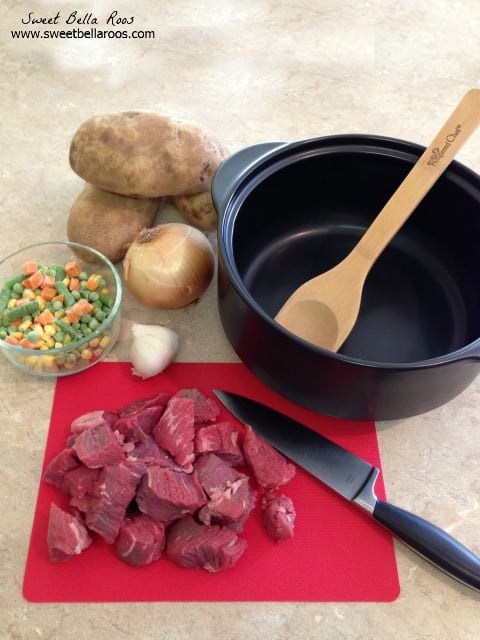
column 337, row 554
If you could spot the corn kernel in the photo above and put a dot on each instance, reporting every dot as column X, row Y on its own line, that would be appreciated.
column 28, row 294
column 66, row 281
column 31, row 361
column 58, row 345
column 94, row 342
column 104, row 341
column 86, row 354
column 18, row 335
column 38, row 329
column 48, row 361
column 49, row 330
column 12, row 303
column 41, row 303
column 69, row 365
column 26, row 324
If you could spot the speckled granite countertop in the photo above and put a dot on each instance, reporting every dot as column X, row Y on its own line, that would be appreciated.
column 250, row 71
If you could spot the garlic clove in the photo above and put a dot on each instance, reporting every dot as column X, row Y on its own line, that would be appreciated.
column 152, row 349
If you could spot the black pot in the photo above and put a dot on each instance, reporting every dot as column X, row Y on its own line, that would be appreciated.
column 290, row 211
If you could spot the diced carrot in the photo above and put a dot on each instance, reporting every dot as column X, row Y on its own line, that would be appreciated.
column 29, row 267
column 84, row 306
column 73, row 315
column 81, row 308
column 49, row 281
column 48, row 293
column 92, row 283
column 11, row 340
column 16, row 322
column 26, row 344
column 73, row 269
column 58, row 298
column 74, row 284
column 44, row 318
column 34, row 281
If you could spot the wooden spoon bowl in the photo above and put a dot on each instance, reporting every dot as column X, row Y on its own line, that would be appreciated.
column 324, row 309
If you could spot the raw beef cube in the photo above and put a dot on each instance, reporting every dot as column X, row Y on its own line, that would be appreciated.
column 175, row 431
column 158, row 400
column 98, row 446
column 93, row 419
column 220, row 438
column 66, row 535
column 113, row 492
column 230, row 507
column 141, row 540
column 58, row 467
column 278, row 516
column 137, row 426
column 231, row 497
column 269, row 467
column 166, row 495
column 150, row 453
column 79, row 485
column 205, row 409
column 215, row 473
column 195, row 545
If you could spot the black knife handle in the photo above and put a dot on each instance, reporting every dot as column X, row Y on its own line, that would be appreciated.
column 431, row 543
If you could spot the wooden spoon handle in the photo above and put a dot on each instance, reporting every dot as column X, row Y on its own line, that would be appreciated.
column 429, row 167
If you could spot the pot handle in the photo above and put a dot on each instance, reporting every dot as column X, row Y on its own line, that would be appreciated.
column 230, row 172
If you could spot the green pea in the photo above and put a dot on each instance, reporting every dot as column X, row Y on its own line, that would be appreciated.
column 56, row 305
column 100, row 315
column 17, row 288
column 93, row 324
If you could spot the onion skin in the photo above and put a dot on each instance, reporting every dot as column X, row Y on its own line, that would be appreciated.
column 169, row 266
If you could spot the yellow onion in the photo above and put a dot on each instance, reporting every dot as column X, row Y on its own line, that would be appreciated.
column 169, row 266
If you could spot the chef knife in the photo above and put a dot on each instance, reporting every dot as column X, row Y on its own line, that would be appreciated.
column 354, row 479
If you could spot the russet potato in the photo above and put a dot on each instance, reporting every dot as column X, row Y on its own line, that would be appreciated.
column 145, row 154
column 108, row 222
column 198, row 210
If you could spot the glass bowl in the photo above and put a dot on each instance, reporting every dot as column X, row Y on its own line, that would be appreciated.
column 53, row 337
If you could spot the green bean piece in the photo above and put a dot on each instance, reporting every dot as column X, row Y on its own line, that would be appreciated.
column 68, row 329
column 60, row 272
column 19, row 278
column 64, row 291
column 105, row 300
column 4, row 298
column 29, row 308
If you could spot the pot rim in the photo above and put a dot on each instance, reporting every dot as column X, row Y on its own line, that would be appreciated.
column 274, row 156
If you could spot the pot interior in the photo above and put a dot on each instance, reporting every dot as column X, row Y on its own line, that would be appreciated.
column 300, row 215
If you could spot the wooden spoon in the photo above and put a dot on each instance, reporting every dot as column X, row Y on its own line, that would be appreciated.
column 324, row 310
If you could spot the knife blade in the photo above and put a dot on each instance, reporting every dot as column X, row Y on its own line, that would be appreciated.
column 354, row 479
